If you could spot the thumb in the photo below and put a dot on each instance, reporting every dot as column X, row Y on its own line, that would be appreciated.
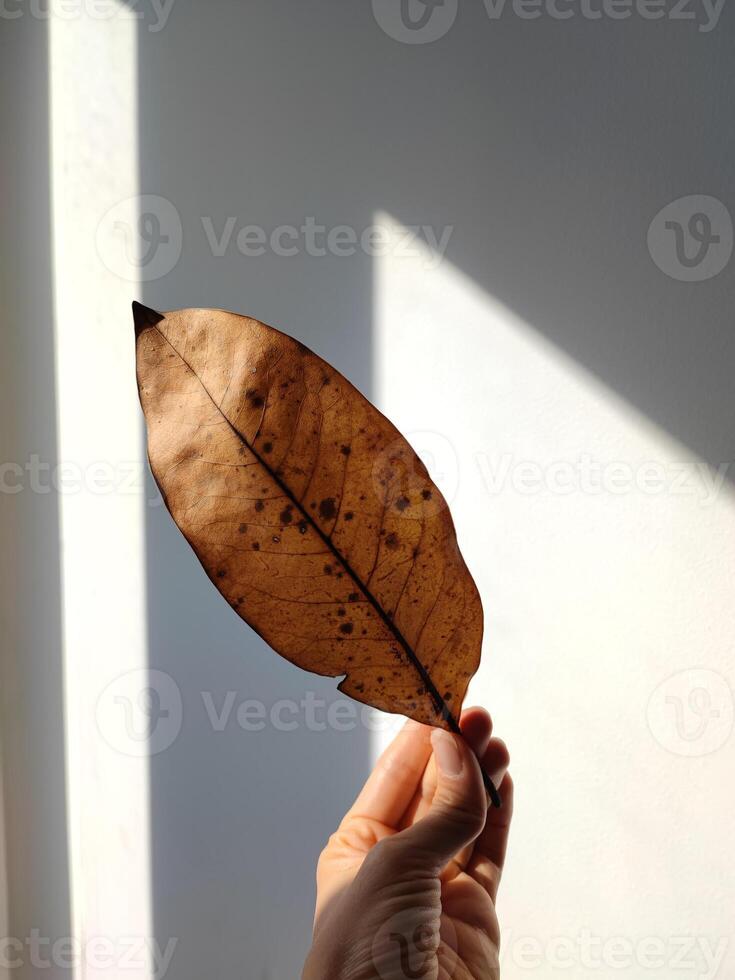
column 459, row 808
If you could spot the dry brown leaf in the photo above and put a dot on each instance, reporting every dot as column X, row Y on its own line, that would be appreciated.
column 309, row 511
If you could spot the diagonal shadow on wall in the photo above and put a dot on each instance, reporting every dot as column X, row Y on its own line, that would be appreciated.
column 547, row 147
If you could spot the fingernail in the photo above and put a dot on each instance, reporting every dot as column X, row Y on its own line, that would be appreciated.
column 446, row 752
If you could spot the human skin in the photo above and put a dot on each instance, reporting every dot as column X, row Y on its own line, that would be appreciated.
column 407, row 885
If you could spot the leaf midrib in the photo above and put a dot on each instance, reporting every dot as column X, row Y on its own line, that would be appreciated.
column 440, row 704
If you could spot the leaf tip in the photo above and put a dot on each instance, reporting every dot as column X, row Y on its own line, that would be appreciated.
column 144, row 317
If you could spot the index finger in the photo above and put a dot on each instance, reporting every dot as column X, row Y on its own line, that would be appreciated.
column 488, row 858
column 396, row 777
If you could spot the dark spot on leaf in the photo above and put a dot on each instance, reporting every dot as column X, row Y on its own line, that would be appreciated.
column 340, row 611
column 345, row 450
column 221, row 573
column 426, row 494
column 259, row 505
column 379, row 679
column 349, row 515
column 447, row 695
column 391, row 542
column 327, row 569
column 353, row 596
column 302, row 527
column 286, row 515
column 256, row 546
column 243, row 528
column 267, row 447
column 402, row 503
column 346, row 628
column 327, row 509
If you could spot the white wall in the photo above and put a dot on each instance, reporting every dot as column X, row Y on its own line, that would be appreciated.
column 602, row 548
column 545, row 335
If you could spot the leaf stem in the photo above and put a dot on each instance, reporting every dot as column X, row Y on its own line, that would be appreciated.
column 492, row 792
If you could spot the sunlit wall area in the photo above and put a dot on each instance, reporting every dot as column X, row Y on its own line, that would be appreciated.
column 602, row 549
column 94, row 167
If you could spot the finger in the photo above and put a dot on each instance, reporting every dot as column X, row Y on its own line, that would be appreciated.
column 476, row 726
column 396, row 776
column 495, row 760
column 457, row 813
column 488, row 858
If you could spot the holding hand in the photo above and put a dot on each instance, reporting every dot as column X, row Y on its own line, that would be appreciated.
column 406, row 887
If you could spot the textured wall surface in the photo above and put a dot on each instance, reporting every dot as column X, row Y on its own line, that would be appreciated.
column 551, row 354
